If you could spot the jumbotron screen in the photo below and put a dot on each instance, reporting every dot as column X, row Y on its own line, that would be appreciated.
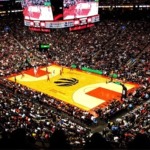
column 37, row 10
column 79, row 8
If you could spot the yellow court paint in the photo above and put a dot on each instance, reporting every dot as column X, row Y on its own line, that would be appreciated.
column 76, row 85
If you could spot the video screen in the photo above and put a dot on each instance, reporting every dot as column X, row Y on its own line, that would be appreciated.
column 79, row 8
column 37, row 10
column 26, row 3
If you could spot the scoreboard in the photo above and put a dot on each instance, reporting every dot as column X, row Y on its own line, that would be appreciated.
column 79, row 8
column 38, row 14
column 61, row 24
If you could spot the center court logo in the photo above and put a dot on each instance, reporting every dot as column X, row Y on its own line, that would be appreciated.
column 66, row 82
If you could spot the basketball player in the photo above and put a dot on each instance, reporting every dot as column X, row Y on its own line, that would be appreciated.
column 15, row 79
column 22, row 75
column 71, row 67
column 124, row 80
column 48, row 78
column 61, row 70
column 46, row 70
column 35, row 69
column 111, row 77
column 53, row 73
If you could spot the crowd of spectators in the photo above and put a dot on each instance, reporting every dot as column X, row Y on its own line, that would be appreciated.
column 123, row 2
column 122, row 132
column 35, row 121
column 122, row 46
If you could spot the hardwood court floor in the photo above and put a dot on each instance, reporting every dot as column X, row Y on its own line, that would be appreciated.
column 76, row 87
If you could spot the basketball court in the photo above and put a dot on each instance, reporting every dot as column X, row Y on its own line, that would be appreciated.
column 78, row 88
